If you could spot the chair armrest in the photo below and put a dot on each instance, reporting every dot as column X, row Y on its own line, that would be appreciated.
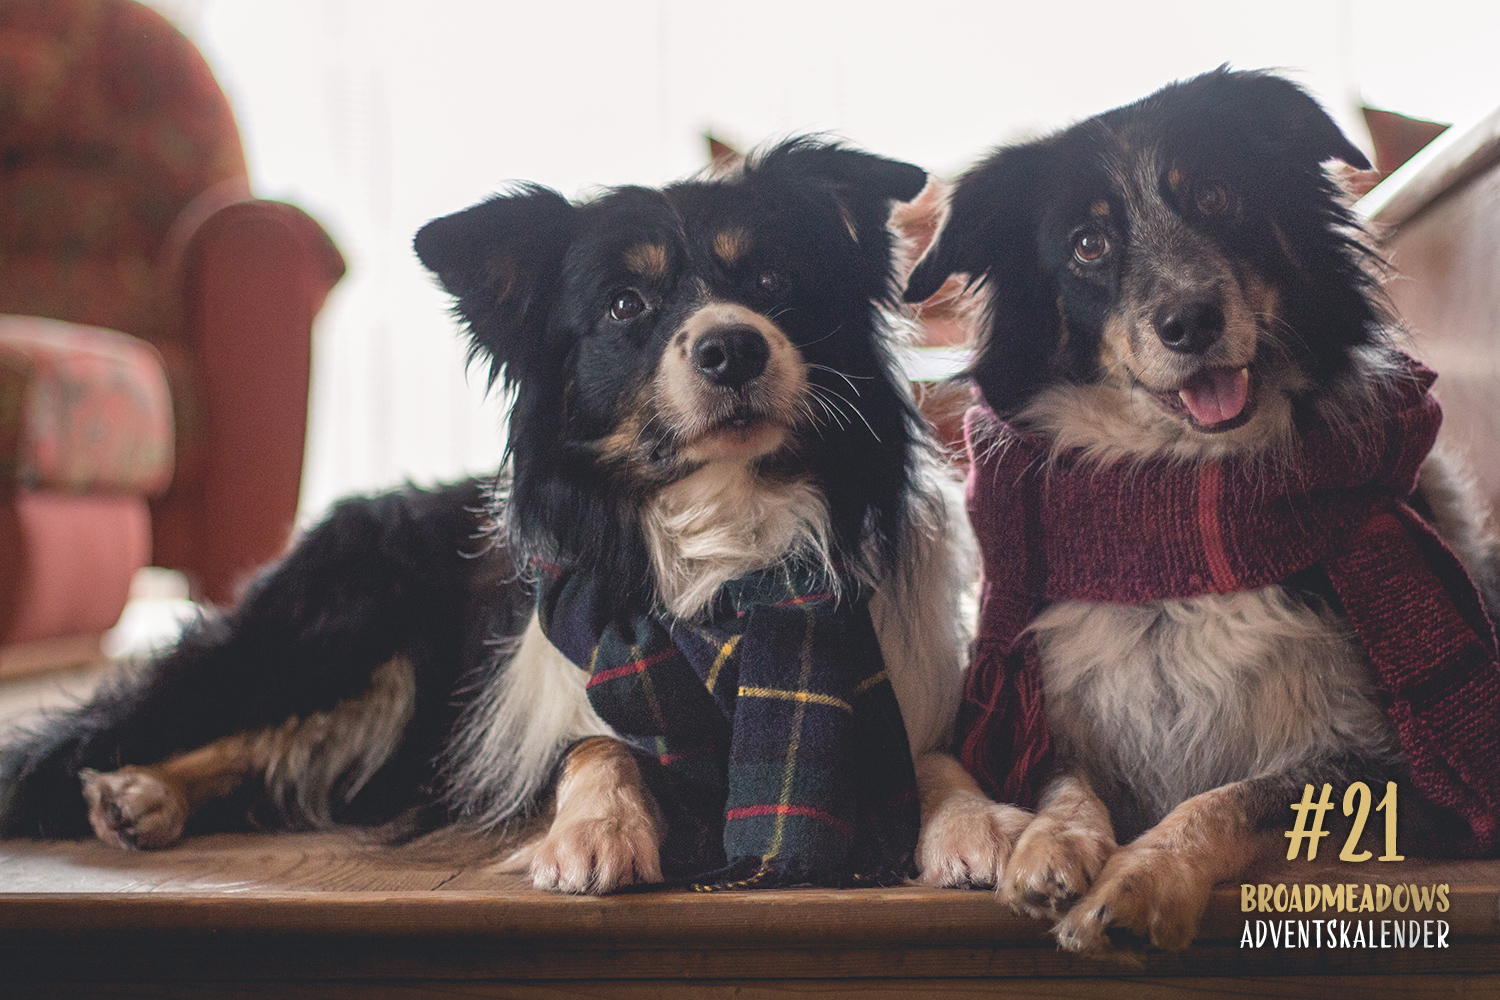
column 253, row 276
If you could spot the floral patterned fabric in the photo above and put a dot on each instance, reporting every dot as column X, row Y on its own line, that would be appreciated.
column 81, row 410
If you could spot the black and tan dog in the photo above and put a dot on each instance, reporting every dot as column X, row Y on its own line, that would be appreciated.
column 1197, row 418
column 703, row 387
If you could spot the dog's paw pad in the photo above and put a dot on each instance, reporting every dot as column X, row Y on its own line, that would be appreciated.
column 596, row 856
column 967, row 841
column 133, row 808
column 1053, row 865
column 1144, row 894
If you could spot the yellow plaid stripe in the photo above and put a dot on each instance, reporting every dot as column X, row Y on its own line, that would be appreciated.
column 869, row 682
column 806, row 697
column 725, row 652
column 778, row 833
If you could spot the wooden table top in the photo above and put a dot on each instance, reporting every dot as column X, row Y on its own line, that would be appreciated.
column 326, row 908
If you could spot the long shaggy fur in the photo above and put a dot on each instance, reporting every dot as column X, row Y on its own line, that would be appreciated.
column 391, row 667
column 1134, row 274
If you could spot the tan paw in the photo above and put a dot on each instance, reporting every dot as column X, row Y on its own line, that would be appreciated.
column 1053, row 865
column 1152, row 893
column 967, row 840
column 596, row 856
column 133, row 808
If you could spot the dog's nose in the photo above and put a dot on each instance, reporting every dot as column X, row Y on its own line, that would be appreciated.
column 731, row 355
column 1190, row 327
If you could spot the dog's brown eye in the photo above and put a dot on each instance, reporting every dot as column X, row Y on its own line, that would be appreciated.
column 1090, row 246
column 771, row 282
column 627, row 305
column 1211, row 199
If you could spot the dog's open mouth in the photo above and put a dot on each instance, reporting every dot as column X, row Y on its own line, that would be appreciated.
column 739, row 423
column 1214, row 399
column 740, row 434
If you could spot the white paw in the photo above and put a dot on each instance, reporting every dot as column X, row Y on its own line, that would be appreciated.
column 967, row 840
column 133, row 808
column 1053, row 865
column 596, row 856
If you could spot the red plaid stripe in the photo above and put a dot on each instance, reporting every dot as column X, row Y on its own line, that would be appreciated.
column 811, row 812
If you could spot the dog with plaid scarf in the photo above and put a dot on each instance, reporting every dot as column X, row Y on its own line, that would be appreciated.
column 702, row 627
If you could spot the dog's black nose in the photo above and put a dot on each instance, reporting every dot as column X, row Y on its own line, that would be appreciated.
column 1190, row 327
column 731, row 355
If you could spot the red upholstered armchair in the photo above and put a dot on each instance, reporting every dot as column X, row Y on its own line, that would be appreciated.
column 125, row 213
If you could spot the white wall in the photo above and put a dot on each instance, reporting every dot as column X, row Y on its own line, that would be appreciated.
column 377, row 115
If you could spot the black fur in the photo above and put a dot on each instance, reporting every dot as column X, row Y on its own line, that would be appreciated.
column 439, row 575
column 536, row 303
column 404, row 572
column 1013, row 216
column 1136, row 177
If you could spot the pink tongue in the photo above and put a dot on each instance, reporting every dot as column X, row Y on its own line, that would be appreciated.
column 1216, row 395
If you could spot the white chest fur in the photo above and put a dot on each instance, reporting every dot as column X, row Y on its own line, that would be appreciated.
column 716, row 525
column 1159, row 702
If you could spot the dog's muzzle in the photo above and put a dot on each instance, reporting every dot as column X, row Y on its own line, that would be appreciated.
column 730, row 356
column 1191, row 326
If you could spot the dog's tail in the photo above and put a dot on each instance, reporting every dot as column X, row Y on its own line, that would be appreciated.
column 338, row 663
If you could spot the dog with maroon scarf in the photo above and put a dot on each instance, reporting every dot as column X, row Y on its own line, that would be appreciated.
column 1221, row 560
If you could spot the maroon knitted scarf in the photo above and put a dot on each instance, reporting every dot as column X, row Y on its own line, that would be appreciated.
column 1063, row 528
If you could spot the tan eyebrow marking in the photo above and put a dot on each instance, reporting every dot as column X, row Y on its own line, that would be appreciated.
column 1099, row 209
column 1175, row 178
column 731, row 244
column 649, row 259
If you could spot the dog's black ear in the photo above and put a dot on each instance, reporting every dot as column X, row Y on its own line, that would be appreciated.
column 1279, row 113
column 851, row 170
column 991, row 234
column 863, row 185
column 992, row 218
column 500, row 261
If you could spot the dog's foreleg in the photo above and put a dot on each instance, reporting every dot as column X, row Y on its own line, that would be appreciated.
column 606, row 831
column 1061, row 853
column 1157, row 886
column 966, row 838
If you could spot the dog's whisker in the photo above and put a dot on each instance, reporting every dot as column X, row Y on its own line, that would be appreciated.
column 831, row 333
column 855, row 410
column 834, row 412
column 846, row 378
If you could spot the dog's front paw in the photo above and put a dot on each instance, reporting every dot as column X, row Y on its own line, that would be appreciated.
column 1153, row 893
column 596, row 856
column 1054, row 864
column 967, row 840
column 133, row 807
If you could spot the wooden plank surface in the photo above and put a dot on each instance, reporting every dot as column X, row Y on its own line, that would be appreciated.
column 288, row 909
column 1146, row 988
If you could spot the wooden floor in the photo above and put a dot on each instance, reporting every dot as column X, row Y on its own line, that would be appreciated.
column 300, row 915
column 324, row 915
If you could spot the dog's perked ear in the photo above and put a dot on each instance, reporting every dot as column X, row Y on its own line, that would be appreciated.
column 991, row 234
column 500, row 260
column 864, row 185
column 875, row 176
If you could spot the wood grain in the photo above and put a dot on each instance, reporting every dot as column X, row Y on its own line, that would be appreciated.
column 1194, row 988
column 330, row 915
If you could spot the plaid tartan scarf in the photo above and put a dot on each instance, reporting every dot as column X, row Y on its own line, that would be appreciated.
column 1058, row 527
column 769, row 733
